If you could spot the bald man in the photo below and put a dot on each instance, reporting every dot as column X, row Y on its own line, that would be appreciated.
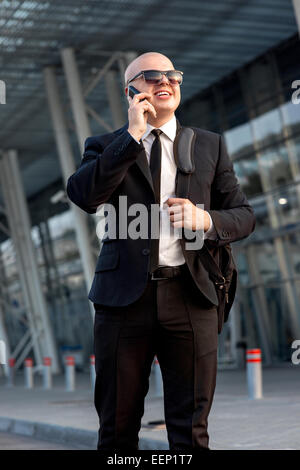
column 152, row 295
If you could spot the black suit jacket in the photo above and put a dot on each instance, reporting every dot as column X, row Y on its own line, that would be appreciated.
column 115, row 164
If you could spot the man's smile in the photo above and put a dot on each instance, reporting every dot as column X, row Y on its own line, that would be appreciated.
column 163, row 94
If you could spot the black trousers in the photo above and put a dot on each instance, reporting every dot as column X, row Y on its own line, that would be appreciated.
column 173, row 321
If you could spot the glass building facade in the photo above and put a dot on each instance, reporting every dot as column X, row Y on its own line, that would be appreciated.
column 254, row 110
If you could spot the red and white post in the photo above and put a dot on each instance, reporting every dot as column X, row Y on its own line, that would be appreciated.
column 254, row 373
column 11, row 372
column 28, row 372
column 70, row 373
column 47, row 376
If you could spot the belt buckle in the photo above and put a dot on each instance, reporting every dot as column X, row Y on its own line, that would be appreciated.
column 157, row 278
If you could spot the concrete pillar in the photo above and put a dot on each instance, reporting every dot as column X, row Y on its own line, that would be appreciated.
column 114, row 98
column 76, row 96
column 68, row 167
column 4, row 338
column 20, row 225
column 3, row 332
column 296, row 4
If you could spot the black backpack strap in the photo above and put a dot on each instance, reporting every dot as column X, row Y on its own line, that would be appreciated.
column 184, row 158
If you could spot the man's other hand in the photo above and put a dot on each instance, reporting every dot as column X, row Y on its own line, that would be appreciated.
column 183, row 213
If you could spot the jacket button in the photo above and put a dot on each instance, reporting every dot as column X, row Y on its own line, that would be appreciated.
column 145, row 251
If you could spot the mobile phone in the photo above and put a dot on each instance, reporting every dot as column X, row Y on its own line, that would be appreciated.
column 133, row 91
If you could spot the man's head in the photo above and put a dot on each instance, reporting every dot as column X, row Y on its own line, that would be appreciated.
column 165, row 105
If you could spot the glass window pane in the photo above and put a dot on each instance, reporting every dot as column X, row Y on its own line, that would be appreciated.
column 239, row 140
column 267, row 128
column 248, row 175
column 274, row 166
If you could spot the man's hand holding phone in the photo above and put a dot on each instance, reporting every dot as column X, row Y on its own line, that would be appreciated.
column 138, row 114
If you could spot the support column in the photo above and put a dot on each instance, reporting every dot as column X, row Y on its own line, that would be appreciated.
column 76, row 96
column 68, row 167
column 114, row 98
column 296, row 4
column 19, row 221
column 3, row 332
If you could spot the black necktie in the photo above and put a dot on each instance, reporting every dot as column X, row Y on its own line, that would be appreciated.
column 155, row 168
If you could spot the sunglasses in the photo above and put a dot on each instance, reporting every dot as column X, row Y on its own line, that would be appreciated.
column 154, row 77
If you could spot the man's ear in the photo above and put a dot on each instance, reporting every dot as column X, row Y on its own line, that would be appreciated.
column 127, row 95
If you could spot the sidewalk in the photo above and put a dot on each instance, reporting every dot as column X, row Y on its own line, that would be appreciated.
column 235, row 422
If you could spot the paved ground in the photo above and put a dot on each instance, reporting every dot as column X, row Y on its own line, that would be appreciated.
column 10, row 441
column 235, row 421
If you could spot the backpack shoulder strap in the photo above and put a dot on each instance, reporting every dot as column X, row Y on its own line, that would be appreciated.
column 183, row 149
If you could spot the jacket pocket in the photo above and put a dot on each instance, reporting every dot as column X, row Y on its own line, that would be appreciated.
column 107, row 261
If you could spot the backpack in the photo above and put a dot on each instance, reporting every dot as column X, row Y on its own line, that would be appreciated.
column 217, row 260
column 221, row 267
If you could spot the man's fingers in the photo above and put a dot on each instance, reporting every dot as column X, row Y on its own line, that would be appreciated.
column 175, row 200
column 178, row 224
column 139, row 96
column 176, row 208
column 176, row 217
column 145, row 106
column 148, row 107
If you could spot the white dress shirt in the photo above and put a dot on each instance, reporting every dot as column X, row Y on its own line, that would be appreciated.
column 170, row 252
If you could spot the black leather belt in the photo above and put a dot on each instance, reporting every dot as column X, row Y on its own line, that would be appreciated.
column 166, row 272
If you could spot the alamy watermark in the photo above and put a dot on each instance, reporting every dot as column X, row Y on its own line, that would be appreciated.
column 296, row 354
column 150, row 222
column 2, row 92
column 296, row 93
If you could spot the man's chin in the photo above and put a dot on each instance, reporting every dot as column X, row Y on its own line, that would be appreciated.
column 165, row 108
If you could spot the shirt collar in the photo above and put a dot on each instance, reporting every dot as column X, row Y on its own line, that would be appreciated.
column 169, row 129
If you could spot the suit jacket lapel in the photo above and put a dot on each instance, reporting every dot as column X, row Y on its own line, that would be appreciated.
column 142, row 163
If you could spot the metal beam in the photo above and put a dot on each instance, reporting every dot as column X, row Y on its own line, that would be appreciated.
column 99, row 119
column 83, row 130
column 96, row 79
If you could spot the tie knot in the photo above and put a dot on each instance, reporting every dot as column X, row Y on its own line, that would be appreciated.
column 157, row 132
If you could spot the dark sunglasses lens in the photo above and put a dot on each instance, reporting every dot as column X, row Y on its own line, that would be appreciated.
column 174, row 77
column 152, row 76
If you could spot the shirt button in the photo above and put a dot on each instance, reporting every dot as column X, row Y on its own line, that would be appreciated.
column 145, row 251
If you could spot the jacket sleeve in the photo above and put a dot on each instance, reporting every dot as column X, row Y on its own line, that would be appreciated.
column 232, row 215
column 101, row 170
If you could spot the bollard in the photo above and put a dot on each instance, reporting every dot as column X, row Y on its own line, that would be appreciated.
column 11, row 372
column 47, row 376
column 70, row 373
column 254, row 373
column 92, row 371
column 28, row 373
column 158, row 379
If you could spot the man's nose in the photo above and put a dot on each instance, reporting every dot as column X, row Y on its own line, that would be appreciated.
column 164, row 79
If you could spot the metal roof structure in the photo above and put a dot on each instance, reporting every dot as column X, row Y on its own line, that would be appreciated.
column 205, row 39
